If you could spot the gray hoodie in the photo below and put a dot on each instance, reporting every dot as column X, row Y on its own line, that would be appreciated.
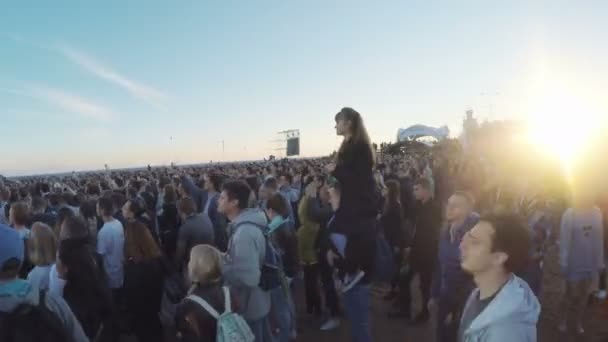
column 20, row 291
column 510, row 317
column 243, row 265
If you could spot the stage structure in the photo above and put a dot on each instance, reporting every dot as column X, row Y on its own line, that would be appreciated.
column 288, row 145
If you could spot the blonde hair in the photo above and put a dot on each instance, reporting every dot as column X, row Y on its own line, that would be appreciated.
column 205, row 265
column 42, row 245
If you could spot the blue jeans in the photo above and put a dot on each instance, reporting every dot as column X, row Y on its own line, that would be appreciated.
column 282, row 314
column 261, row 330
column 357, row 306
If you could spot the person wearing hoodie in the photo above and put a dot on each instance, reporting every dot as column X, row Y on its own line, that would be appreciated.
column 502, row 308
column 581, row 256
column 451, row 286
column 15, row 291
column 285, row 240
column 243, row 261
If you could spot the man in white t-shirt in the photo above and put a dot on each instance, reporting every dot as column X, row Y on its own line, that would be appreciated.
column 110, row 244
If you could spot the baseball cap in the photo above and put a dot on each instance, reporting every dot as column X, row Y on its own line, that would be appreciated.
column 11, row 245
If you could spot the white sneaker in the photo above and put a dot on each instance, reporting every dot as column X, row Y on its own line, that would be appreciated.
column 332, row 324
column 601, row 294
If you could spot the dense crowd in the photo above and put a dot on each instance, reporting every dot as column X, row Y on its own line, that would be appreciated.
column 219, row 252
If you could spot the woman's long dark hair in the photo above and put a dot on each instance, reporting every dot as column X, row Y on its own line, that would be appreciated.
column 358, row 131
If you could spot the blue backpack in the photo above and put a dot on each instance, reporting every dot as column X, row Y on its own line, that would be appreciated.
column 231, row 327
column 272, row 276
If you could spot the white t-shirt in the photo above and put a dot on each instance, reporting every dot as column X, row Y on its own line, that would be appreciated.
column 110, row 244
column 56, row 284
column 39, row 277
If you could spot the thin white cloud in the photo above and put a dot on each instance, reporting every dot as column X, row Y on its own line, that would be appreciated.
column 136, row 89
column 74, row 103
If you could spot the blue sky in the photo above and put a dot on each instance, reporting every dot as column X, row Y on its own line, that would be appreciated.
column 83, row 84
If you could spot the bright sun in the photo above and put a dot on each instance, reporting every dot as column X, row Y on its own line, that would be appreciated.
column 563, row 120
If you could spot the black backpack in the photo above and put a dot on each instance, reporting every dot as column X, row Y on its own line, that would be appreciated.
column 31, row 323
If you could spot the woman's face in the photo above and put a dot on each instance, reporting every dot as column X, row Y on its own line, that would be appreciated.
column 341, row 127
column 126, row 212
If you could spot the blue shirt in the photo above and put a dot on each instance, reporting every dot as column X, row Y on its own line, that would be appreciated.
column 110, row 245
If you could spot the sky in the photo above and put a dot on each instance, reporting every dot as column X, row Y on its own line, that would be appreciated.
column 131, row 83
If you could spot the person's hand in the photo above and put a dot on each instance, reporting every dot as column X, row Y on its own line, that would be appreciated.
column 432, row 304
column 330, row 167
column 331, row 256
column 448, row 319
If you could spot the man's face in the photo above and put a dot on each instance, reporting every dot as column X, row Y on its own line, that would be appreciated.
column 457, row 208
column 225, row 205
column 476, row 250
column 420, row 193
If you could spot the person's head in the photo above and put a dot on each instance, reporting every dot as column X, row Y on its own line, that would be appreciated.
column 170, row 196
column 38, row 205
column 105, row 207
column 271, row 187
column 42, row 245
column 73, row 227
column 186, row 207
column 349, row 124
column 205, row 266
column 285, row 179
column 234, row 198
column 422, row 189
column 139, row 243
column 276, row 206
column 499, row 243
column 392, row 194
column 213, row 182
column 133, row 208
column 12, row 252
column 88, row 210
column 19, row 214
column 459, row 207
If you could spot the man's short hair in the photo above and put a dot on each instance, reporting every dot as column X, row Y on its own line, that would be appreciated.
column 21, row 213
column 511, row 236
column 277, row 203
column 271, row 183
column 186, row 206
column 287, row 176
column 240, row 191
column 216, row 180
column 38, row 203
column 423, row 182
column 106, row 206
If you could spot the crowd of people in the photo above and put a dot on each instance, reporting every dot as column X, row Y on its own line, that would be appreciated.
column 203, row 253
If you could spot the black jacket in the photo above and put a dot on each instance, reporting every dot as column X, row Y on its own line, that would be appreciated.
column 391, row 223
column 359, row 197
column 195, row 324
column 427, row 227
column 143, row 286
column 284, row 237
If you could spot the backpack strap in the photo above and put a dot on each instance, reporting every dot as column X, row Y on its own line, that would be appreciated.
column 198, row 300
column 227, row 301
